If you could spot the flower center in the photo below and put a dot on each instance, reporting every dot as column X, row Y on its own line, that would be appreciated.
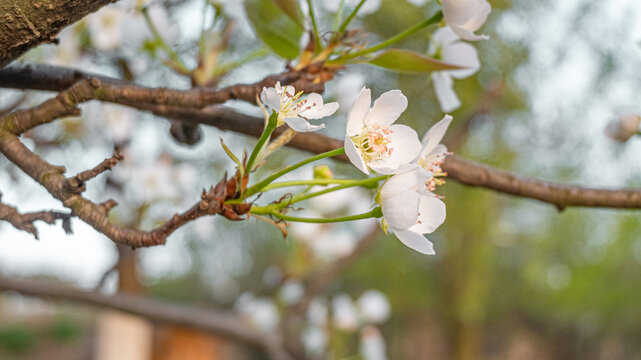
column 292, row 105
column 432, row 163
column 375, row 142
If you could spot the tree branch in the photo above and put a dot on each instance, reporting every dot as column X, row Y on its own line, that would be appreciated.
column 27, row 23
column 25, row 221
column 56, row 78
column 223, row 323
column 464, row 171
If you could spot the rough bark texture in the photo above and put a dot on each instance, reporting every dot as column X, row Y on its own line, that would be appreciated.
column 27, row 23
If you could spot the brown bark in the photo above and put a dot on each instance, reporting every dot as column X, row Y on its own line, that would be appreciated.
column 27, row 23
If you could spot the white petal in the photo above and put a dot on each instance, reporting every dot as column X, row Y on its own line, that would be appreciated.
column 461, row 54
column 444, row 37
column 412, row 180
column 387, row 108
column 354, row 155
column 469, row 35
column 302, row 125
column 459, row 12
column 270, row 97
column 431, row 214
column 359, row 111
column 320, row 112
column 434, row 135
column 444, row 88
column 415, row 242
column 401, row 211
column 481, row 12
column 406, row 147
column 290, row 90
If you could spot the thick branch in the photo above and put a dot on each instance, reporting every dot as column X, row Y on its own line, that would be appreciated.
column 55, row 78
column 225, row 324
column 27, row 23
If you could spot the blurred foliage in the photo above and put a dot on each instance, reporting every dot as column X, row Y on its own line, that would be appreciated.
column 17, row 338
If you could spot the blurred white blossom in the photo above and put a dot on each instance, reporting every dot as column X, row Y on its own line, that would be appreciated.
column 315, row 340
column 105, row 27
column 317, row 312
column 374, row 307
column 260, row 311
column 291, row 292
column 345, row 314
column 372, row 345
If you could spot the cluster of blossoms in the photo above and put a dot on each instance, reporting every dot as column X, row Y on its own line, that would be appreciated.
column 374, row 143
column 411, row 168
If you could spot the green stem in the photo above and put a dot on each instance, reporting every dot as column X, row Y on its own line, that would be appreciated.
column 374, row 213
column 173, row 56
column 312, row 16
column 301, row 197
column 338, row 16
column 269, row 129
column 345, row 23
column 306, row 182
column 398, row 37
column 259, row 186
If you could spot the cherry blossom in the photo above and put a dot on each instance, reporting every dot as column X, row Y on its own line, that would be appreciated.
column 294, row 109
column 466, row 16
column 409, row 207
column 372, row 141
column 446, row 46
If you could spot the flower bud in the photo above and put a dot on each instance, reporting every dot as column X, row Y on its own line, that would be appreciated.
column 623, row 128
column 323, row 172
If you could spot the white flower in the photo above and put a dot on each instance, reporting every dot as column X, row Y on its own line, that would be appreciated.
column 409, row 207
column 466, row 16
column 261, row 312
column 344, row 313
column 291, row 292
column 623, row 128
column 105, row 27
column 372, row 345
column 372, row 142
column 370, row 6
column 446, row 46
column 315, row 340
column 293, row 109
column 374, row 307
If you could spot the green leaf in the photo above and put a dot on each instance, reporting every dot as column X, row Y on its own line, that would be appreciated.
column 292, row 9
column 409, row 62
column 274, row 27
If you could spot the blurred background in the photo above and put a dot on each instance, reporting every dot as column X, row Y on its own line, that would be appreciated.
column 512, row 278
